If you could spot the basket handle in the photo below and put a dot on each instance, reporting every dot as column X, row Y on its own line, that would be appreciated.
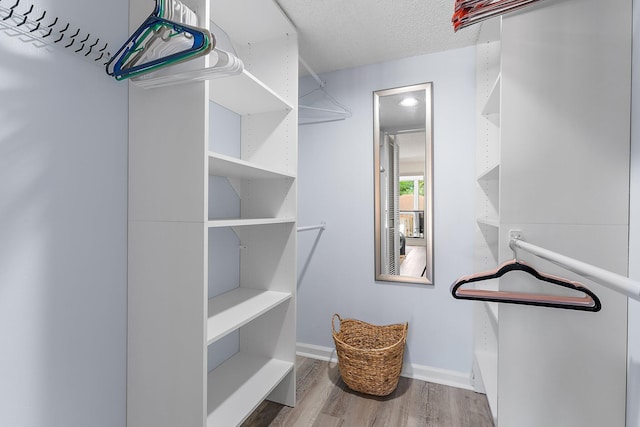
column 333, row 320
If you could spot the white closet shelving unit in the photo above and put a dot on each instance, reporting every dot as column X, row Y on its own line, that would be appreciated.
column 176, row 316
column 487, row 206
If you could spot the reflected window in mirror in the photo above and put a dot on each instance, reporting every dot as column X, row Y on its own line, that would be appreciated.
column 403, row 179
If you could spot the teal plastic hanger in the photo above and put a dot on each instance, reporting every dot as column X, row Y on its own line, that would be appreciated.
column 137, row 55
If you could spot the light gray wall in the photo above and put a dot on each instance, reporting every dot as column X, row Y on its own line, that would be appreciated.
column 633, row 373
column 63, row 213
column 336, row 268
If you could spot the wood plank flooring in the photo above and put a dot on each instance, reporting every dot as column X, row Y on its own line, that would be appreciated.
column 414, row 262
column 325, row 401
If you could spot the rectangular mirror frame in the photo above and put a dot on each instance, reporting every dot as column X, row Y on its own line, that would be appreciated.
column 428, row 186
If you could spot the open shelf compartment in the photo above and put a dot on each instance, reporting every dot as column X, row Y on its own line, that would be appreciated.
column 231, row 167
column 245, row 94
column 239, row 385
column 236, row 308
column 492, row 106
column 492, row 173
column 491, row 222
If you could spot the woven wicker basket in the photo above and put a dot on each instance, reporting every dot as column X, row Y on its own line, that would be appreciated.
column 369, row 356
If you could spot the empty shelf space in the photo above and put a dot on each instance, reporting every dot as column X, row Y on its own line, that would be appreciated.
column 245, row 94
column 491, row 174
column 239, row 385
column 243, row 222
column 236, row 308
column 222, row 165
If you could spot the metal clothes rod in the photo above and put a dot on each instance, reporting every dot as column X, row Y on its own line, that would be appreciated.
column 343, row 111
column 320, row 226
column 617, row 282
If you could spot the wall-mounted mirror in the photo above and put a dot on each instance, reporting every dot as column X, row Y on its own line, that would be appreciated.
column 403, row 177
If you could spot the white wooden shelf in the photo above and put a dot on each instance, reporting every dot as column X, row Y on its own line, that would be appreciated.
column 236, row 308
column 239, row 385
column 492, row 106
column 244, row 94
column 222, row 165
column 491, row 222
column 491, row 174
column 243, row 222
column 488, row 364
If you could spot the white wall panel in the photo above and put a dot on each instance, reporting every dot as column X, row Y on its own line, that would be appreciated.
column 166, row 165
column 166, row 323
column 565, row 109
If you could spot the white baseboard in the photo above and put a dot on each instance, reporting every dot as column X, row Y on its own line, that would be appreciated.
column 328, row 354
column 415, row 371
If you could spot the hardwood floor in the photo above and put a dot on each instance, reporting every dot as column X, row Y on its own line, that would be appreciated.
column 414, row 262
column 325, row 401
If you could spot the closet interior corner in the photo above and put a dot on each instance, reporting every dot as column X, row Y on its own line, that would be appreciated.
column 220, row 330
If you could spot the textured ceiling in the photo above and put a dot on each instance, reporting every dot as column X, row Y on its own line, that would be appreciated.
column 338, row 34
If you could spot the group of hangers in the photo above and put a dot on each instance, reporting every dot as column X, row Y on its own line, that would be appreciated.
column 52, row 31
column 588, row 302
column 169, row 35
column 469, row 12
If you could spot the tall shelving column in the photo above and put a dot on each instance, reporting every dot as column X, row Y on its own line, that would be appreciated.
column 254, row 322
column 488, row 85
column 176, row 315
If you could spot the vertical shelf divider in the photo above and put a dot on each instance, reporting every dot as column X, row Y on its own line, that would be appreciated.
column 486, row 315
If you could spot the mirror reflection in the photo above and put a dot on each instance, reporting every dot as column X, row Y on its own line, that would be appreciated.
column 403, row 184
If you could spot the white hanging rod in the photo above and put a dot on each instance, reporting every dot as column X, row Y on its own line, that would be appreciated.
column 617, row 282
column 320, row 226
